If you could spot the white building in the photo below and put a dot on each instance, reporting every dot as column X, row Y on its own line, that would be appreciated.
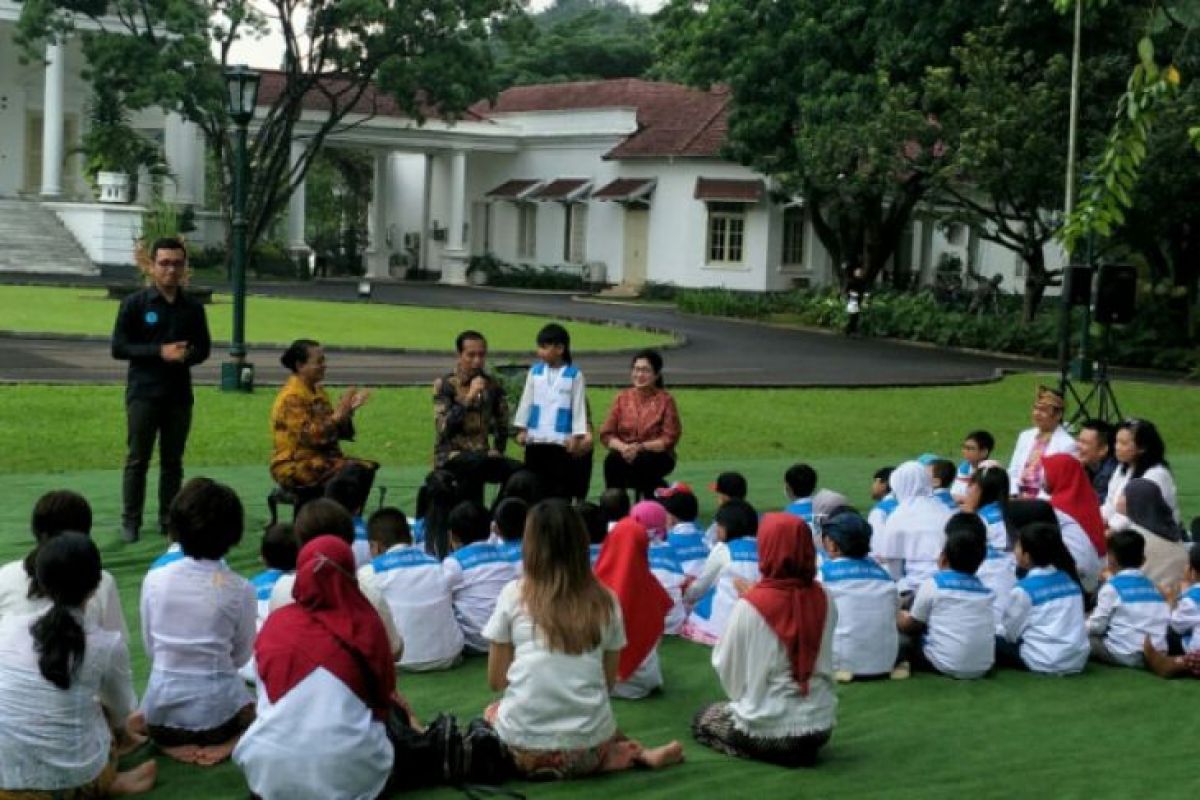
column 622, row 178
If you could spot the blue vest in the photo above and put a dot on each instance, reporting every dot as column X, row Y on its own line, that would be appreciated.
column 991, row 513
column 801, row 508
column 886, row 506
column 264, row 582
column 1136, row 589
column 478, row 554
column 594, row 552
column 401, row 559
column 946, row 498
column 563, row 420
column 664, row 558
column 853, row 569
column 360, row 529
column 1044, row 588
column 173, row 554
column 744, row 550
column 959, row 581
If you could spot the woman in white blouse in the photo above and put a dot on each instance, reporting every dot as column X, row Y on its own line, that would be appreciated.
column 556, row 638
column 775, row 661
column 1141, row 453
column 57, row 669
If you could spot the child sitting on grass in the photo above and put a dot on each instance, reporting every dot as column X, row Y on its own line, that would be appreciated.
column 977, row 447
column 1185, row 623
column 1129, row 606
column 865, row 642
column 952, row 613
column 1043, row 628
column 475, row 571
column 734, row 558
column 508, row 528
column 278, row 553
column 198, row 628
column 800, row 481
column 413, row 586
column 682, row 532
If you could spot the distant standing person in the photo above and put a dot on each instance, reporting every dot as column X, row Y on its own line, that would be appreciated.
column 162, row 332
column 856, row 299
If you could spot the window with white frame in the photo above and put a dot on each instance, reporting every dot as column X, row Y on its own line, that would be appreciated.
column 526, row 230
column 575, row 233
column 726, row 233
column 793, row 237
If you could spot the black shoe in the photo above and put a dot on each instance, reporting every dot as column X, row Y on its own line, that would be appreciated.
column 129, row 535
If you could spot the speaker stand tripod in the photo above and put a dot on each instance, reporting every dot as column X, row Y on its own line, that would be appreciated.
column 1101, row 392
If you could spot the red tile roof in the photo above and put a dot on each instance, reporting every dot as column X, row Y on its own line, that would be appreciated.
column 730, row 191
column 560, row 189
column 511, row 190
column 373, row 100
column 673, row 120
column 623, row 189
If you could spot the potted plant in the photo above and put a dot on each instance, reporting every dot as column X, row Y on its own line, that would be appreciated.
column 113, row 151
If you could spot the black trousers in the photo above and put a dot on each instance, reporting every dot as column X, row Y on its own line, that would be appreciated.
column 474, row 470
column 553, row 465
column 148, row 420
column 643, row 475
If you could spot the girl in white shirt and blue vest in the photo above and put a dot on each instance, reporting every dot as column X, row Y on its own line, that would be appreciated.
column 551, row 419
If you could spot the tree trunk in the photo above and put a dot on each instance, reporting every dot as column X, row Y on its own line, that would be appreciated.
column 1036, row 281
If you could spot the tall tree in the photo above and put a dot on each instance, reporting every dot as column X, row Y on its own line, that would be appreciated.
column 830, row 100
column 431, row 57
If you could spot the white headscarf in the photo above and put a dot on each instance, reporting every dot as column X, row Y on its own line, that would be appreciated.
column 915, row 531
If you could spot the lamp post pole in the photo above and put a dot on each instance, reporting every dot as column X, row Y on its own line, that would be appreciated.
column 242, row 86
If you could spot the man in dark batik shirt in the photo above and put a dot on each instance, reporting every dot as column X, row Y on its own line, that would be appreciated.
column 471, row 419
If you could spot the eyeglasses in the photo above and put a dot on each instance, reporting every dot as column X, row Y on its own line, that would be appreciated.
column 177, row 265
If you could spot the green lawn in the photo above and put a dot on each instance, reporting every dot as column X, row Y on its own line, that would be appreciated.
column 38, row 309
column 1108, row 733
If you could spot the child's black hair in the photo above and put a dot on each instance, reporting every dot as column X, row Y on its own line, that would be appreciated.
column 595, row 522
column 801, row 480
column 683, row 506
column 1194, row 556
column 54, row 513
column 68, row 569
column 1044, row 545
column 442, row 493
column 469, row 522
column 993, row 485
column 615, row 505
column 280, row 547
column 1128, row 549
column 206, row 518
column 966, row 544
column 351, row 487
column 983, row 439
column 524, row 484
column 323, row 517
column 388, row 527
column 943, row 472
column 971, row 523
column 884, row 475
column 509, row 517
column 738, row 519
column 553, row 333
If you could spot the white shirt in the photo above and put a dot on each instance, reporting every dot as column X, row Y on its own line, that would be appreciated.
column 281, row 595
column 102, row 608
column 998, row 572
column 877, row 517
column 50, row 738
column 666, row 566
column 1185, row 619
column 475, row 575
column 414, row 591
column 866, row 640
column 554, row 700
column 1128, row 609
column 644, row 680
column 319, row 741
column 1060, row 442
column 551, row 396
column 198, row 627
column 960, row 640
column 1088, row 562
column 1157, row 474
column 713, row 594
column 756, row 674
column 1045, row 616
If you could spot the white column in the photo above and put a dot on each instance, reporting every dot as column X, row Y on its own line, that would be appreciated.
column 377, row 219
column 295, row 212
column 454, row 257
column 52, row 121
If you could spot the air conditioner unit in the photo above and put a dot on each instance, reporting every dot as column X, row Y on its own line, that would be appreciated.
column 595, row 273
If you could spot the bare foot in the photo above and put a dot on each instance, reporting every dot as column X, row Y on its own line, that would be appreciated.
column 186, row 753
column 1161, row 664
column 215, row 754
column 136, row 723
column 126, row 741
column 138, row 780
column 663, row 756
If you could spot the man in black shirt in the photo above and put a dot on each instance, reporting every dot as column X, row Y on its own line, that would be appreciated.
column 161, row 332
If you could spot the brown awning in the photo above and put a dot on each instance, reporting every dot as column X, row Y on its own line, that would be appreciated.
column 624, row 190
column 722, row 190
column 564, row 190
column 512, row 190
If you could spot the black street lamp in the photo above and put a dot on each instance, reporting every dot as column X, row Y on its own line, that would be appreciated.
column 241, row 84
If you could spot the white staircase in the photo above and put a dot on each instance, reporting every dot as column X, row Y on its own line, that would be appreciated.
column 33, row 240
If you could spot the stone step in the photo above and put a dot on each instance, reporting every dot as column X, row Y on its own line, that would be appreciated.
column 33, row 240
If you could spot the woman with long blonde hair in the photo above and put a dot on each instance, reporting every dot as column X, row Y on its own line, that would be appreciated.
column 556, row 640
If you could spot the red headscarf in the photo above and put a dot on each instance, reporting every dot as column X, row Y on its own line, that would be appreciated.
column 788, row 597
column 1071, row 493
column 624, row 567
column 329, row 623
